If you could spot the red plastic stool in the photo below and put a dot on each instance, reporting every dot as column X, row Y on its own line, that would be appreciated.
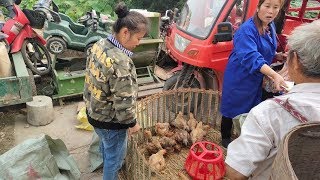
column 205, row 161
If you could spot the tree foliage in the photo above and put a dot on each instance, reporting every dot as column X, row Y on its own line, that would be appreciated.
column 77, row 8
column 155, row 5
column 27, row 3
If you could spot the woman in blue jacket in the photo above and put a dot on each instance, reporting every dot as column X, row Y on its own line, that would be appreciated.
column 254, row 49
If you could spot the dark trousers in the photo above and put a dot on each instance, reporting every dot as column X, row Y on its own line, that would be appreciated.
column 226, row 126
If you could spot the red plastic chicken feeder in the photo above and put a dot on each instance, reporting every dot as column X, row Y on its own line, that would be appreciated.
column 205, row 161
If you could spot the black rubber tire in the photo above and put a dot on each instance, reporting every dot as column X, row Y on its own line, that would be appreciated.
column 169, row 85
column 32, row 82
column 29, row 62
column 58, row 43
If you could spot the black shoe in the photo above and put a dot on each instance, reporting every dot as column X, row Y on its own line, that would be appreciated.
column 226, row 142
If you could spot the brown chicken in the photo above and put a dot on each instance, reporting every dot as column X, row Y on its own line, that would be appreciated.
column 148, row 135
column 180, row 122
column 177, row 148
column 169, row 133
column 162, row 129
column 198, row 133
column 167, row 142
column 157, row 162
column 206, row 129
column 192, row 122
column 153, row 145
column 182, row 136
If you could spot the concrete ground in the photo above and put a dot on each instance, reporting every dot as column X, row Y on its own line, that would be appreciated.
column 63, row 127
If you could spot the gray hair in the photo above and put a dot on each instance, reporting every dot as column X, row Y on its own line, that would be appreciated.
column 305, row 41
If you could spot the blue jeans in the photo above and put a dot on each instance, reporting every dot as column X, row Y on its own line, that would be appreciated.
column 113, row 146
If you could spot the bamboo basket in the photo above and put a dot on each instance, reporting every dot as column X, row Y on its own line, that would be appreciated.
column 298, row 155
column 164, row 107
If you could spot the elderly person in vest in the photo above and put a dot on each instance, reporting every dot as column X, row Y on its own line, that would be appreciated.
column 252, row 154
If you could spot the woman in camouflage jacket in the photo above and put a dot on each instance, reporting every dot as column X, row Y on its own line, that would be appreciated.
column 111, row 88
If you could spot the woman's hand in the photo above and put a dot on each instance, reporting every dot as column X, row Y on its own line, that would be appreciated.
column 279, row 83
column 281, row 56
column 134, row 129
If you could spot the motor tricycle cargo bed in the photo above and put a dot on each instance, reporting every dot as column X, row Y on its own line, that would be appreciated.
column 18, row 88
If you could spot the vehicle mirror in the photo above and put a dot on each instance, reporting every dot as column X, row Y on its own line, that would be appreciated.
column 168, row 16
column 224, row 32
column 175, row 14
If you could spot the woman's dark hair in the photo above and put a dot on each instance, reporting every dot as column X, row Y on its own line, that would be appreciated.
column 280, row 20
column 134, row 21
column 256, row 18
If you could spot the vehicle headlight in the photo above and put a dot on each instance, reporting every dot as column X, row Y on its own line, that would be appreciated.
column 180, row 42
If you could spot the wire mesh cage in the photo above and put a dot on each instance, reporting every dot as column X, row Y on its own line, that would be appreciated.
column 164, row 107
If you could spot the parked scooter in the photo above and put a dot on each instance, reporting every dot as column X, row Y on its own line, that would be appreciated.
column 21, row 37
